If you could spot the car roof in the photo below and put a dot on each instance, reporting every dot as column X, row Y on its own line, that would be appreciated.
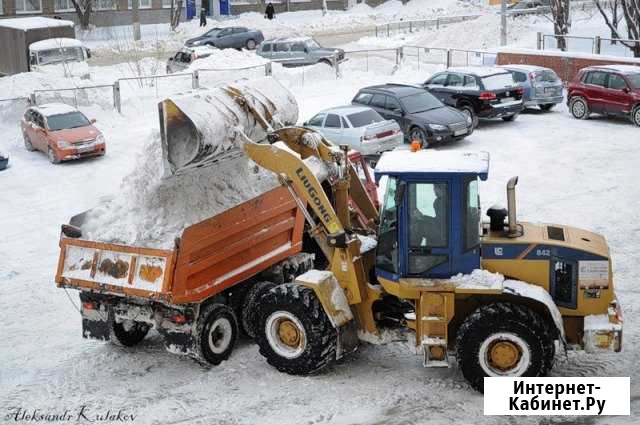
column 478, row 71
column 399, row 90
column 289, row 40
column 624, row 69
column 54, row 43
column 345, row 109
column 447, row 162
column 524, row 67
column 50, row 109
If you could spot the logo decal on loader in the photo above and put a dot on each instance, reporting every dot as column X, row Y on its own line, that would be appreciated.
column 313, row 194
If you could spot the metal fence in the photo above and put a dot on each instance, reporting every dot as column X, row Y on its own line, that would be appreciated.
column 403, row 27
column 595, row 45
column 383, row 60
column 103, row 95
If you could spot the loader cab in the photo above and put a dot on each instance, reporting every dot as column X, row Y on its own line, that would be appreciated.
column 430, row 213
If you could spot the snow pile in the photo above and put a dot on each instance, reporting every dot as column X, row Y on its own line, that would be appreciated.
column 150, row 211
column 478, row 279
column 228, row 59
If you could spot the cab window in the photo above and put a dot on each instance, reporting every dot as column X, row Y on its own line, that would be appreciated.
column 428, row 225
column 387, row 252
column 455, row 80
column 471, row 215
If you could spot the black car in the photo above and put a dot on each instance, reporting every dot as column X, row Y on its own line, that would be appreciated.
column 229, row 37
column 478, row 92
column 419, row 114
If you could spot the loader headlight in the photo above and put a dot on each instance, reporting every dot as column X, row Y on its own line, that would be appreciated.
column 438, row 127
column 62, row 144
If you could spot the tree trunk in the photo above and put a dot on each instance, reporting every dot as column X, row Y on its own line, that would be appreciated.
column 135, row 5
column 84, row 9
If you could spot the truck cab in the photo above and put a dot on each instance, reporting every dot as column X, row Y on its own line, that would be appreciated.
column 64, row 57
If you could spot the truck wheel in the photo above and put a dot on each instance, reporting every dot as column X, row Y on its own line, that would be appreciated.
column 128, row 333
column 250, row 307
column 579, row 108
column 216, row 333
column 503, row 339
column 296, row 336
column 27, row 143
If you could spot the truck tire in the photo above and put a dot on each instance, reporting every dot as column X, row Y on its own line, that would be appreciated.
column 129, row 333
column 296, row 336
column 250, row 307
column 216, row 333
column 503, row 339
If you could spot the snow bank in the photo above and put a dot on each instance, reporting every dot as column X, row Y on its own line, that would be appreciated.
column 34, row 22
column 150, row 211
column 228, row 59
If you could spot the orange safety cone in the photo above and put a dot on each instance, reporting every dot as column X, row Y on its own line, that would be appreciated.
column 416, row 145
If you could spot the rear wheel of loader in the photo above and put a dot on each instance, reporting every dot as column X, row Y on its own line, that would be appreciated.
column 296, row 336
column 250, row 315
column 503, row 339
column 128, row 333
column 216, row 333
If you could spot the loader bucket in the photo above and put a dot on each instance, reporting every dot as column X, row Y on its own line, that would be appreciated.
column 204, row 128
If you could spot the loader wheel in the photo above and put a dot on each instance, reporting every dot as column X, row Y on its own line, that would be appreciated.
column 250, row 307
column 128, row 333
column 296, row 335
column 579, row 108
column 216, row 333
column 503, row 339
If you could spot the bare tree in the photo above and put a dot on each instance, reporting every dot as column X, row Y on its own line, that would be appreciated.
column 84, row 9
column 631, row 13
column 176, row 11
column 560, row 19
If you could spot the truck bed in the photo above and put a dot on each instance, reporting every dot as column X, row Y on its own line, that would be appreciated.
column 211, row 256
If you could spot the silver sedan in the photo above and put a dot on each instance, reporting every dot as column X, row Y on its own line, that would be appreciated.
column 359, row 127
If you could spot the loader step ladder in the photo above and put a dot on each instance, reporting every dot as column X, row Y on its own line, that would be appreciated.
column 434, row 312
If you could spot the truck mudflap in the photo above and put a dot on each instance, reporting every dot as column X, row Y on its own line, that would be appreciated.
column 95, row 318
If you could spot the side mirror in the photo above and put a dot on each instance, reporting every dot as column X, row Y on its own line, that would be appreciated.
column 92, row 120
column 171, row 58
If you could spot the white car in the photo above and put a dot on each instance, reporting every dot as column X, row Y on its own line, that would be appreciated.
column 359, row 127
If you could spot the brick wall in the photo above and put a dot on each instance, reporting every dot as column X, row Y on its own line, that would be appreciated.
column 566, row 66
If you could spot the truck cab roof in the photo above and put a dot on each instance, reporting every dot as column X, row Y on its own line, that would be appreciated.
column 54, row 43
column 403, row 162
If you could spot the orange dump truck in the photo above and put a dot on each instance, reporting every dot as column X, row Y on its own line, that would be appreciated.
column 197, row 295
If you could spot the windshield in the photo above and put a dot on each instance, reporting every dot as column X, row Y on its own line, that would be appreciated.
column 60, row 54
column 498, row 81
column 70, row 120
column 545, row 77
column 634, row 79
column 361, row 119
column 420, row 102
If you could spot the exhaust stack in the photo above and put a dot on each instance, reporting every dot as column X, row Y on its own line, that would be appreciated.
column 511, row 205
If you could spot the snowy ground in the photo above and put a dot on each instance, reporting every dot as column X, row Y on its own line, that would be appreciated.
column 582, row 173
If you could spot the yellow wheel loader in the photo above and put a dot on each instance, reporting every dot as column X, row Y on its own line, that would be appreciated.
column 500, row 296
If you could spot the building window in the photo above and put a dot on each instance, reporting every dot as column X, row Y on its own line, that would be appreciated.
column 28, row 6
column 142, row 4
column 105, row 5
column 63, row 6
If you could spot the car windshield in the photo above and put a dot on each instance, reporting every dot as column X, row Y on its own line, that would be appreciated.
column 61, row 54
column 634, row 79
column 498, row 81
column 546, row 76
column 69, row 120
column 363, row 118
column 420, row 102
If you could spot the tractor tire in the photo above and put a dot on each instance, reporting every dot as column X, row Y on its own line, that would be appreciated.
column 296, row 336
column 468, row 111
column 508, row 333
column 250, row 307
column 546, row 107
column 129, row 333
column 216, row 333
column 27, row 143
column 579, row 108
column 635, row 116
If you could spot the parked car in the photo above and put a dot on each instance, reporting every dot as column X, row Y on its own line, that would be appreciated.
column 299, row 51
column 608, row 90
column 62, row 132
column 418, row 113
column 478, row 92
column 229, row 37
column 542, row 86
column 358, row 127
column 4, row 160
column 186, row 56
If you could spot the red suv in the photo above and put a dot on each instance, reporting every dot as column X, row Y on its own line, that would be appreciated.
column 608, row 90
